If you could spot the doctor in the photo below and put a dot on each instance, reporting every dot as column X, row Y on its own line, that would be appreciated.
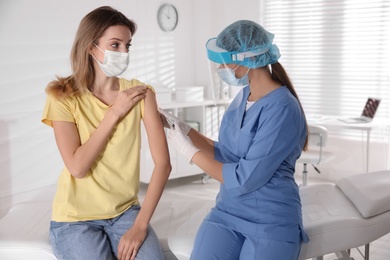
column 258, row 210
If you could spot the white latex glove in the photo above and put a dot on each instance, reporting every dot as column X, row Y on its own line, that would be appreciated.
column 169, row 120
column 182, row 143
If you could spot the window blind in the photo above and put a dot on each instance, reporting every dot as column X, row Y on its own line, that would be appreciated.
column 337, row 53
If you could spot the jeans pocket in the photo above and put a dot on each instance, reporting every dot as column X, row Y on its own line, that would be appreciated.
column 55, row 224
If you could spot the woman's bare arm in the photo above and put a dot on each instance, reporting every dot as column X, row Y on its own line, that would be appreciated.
column 159, row 151
column 135, row 236
column 79, row 158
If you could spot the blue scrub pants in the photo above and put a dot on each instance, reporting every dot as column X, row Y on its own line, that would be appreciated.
column 99, row 239
column 215, row 242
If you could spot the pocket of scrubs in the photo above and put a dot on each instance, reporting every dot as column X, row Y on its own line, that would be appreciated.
column 247, row 134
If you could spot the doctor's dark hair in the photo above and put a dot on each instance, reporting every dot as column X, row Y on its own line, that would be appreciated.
column 279, row 75
column 91, row 28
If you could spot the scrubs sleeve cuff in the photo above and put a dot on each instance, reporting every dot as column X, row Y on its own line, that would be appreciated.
column 217, row 152
column 229, row 176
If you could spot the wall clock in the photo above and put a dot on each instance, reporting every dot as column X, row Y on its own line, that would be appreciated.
column 167, row 17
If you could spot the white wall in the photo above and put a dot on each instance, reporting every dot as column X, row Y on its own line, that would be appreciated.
column 211, row 17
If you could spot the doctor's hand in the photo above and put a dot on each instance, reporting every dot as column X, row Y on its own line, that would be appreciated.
column 182, row 143
column 168, row 120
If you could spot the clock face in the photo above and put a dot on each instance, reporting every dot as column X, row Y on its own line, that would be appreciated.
column 167, row 17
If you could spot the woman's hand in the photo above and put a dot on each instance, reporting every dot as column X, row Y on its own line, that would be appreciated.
column 126, row 99
column 130, row 243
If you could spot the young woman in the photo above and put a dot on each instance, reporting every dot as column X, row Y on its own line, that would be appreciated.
column 96, row 118
column 262, row 134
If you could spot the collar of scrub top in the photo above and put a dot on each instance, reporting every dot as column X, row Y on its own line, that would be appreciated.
column 222, row 56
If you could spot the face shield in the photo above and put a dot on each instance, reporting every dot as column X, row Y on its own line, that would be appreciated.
column 222, row 77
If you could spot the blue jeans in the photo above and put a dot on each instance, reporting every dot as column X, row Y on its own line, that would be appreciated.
column 99, row 239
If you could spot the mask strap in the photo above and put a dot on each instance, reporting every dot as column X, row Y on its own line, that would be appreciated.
column 236, row 67
column 239, row 66
column 98, row 47
column 93, row 56
column 245, row 73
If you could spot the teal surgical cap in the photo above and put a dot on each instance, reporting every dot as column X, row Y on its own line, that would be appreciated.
column 245, row 43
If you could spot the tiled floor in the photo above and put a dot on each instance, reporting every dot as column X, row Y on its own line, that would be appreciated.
column 186, row 201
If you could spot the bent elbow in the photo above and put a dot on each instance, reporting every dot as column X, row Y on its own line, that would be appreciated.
column 79, row 176
column 77, row 173
column 165, row 167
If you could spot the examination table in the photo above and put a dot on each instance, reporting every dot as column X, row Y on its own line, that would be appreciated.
column 337, row 217
column 350, row 213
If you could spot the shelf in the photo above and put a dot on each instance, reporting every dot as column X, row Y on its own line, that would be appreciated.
column 208, row 102
column 206, row 113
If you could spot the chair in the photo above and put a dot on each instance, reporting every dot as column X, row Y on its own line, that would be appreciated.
column 315, row 153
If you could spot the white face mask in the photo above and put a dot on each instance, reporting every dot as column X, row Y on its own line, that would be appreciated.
column 227, row 74
column 114, row 63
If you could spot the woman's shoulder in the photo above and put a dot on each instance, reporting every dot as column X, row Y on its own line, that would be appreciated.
column 131, row 83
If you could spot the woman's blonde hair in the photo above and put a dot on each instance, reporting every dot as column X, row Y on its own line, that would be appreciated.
column 91, row 28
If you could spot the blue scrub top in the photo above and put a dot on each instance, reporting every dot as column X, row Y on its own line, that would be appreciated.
column 259, row 148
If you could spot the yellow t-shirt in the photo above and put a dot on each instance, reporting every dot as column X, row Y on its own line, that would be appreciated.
column 112, row 184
